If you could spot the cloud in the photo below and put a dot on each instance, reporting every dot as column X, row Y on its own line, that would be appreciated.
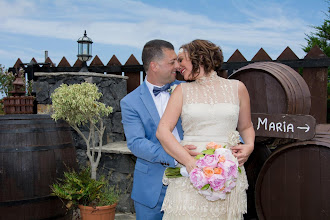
column 16, row 8
column 132, row 23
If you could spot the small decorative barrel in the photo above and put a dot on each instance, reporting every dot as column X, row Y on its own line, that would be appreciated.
column 294, row 181
column 34, row 152
column 274, row 88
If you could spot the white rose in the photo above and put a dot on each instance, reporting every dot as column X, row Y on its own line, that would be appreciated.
column 171, row 89
column 233, row 138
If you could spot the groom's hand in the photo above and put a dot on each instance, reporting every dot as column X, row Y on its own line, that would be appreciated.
column 191, row 150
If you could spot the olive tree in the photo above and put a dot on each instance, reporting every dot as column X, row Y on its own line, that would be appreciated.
column 77, row 104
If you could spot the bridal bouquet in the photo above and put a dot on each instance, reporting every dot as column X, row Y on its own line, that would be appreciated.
column 215, row 174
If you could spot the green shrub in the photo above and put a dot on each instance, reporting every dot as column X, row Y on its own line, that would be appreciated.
column 78, row 188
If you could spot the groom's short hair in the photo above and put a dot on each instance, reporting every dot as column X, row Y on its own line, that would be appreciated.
column 154, row 50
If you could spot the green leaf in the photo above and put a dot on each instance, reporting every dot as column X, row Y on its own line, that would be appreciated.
column 171, row 172
column 239, row 170
column 199, row 156
column 209, row 151
column 205, row 187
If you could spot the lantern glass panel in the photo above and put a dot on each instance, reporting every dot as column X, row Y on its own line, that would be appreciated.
column 84, row 48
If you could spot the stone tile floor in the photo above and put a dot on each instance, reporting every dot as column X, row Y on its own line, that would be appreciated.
column 124, row 216
column 118, row 216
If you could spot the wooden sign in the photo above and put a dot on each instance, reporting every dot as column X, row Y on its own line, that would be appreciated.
column 301, row 127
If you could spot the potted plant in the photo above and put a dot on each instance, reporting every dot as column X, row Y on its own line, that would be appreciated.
column 77, row 104
column 18, row 98
column 96, row 199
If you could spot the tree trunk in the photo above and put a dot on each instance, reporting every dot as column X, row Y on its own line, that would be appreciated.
column 93, row 170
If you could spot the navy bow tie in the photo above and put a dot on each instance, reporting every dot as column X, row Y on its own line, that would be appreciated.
column 157, row 90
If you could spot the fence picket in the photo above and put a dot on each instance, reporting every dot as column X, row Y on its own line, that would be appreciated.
column 261, row 55
column 114, row 62
column 287, row 54
column 236, row 57
column 64, row 63
column 316, row 79
column 134, row 76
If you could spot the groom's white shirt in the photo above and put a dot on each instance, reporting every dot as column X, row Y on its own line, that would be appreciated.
column 161, row 101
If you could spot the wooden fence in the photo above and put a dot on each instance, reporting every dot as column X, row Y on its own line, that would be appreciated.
column 284, row 180
column 314, row 68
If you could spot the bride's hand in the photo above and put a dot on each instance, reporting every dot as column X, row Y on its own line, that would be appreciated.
column 242, row 152
column 191, row 165
column 191, row 150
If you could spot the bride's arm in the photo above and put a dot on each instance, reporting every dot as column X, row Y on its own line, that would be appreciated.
column 166, row 126
column 244, row 127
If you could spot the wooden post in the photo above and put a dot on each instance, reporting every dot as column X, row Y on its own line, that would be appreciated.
column 114, row 62
column 97, row 62
column 288, row 54
column 78, row 63
column 64, row 63
column 48, row 60
column 235, row 57
column 18, row 64
column 316, row 79
column 134, row 77
column 261, row 56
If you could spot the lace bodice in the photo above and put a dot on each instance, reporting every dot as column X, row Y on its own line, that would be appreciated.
column 209, row 113
column 210, row 108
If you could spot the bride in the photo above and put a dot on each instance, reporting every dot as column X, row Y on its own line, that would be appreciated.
column 212, row 109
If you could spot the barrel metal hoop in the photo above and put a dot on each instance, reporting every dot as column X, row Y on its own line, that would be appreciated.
column 27, row 201
column 30, row 122
column 34, row 130
column 36, row 148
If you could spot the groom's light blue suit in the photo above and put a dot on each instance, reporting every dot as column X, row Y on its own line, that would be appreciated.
column 140, row 119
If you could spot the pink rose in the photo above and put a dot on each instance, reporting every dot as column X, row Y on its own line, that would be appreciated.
column 217, row 182
column 230, row 168
column 197, row 178
column 224, row 152
column 208, row 161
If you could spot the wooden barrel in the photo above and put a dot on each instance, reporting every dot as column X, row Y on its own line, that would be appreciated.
column 294, row 181
column 34, row 152
column 252, row 167
column 274, row 88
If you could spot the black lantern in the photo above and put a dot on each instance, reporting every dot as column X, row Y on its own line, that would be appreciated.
column 84, row 51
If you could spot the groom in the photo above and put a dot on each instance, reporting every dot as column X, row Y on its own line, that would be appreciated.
column 141, row 111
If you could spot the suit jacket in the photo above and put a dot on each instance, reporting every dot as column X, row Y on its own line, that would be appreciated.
column 140, row 119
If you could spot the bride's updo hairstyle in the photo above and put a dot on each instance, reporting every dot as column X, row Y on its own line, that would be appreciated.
column 203, row 53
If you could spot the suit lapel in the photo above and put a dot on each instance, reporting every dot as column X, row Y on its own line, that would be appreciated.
column 149, row 103
column 151, row 107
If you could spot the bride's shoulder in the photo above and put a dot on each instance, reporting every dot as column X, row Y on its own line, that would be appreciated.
column 231, row 81
column 187, row 84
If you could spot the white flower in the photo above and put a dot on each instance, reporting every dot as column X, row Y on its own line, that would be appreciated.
column 171, row 89
column 233, row 138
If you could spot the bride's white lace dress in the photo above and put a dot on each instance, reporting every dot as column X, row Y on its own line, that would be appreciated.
column 209, row 113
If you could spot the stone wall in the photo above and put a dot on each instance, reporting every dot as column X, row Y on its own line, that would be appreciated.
column 117, row 162
column 113, row 88
column 117, row 165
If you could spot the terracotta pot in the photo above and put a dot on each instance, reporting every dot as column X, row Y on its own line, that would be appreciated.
column 98, row 213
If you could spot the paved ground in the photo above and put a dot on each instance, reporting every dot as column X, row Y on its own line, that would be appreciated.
column 124, row 216
column 118, row 216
